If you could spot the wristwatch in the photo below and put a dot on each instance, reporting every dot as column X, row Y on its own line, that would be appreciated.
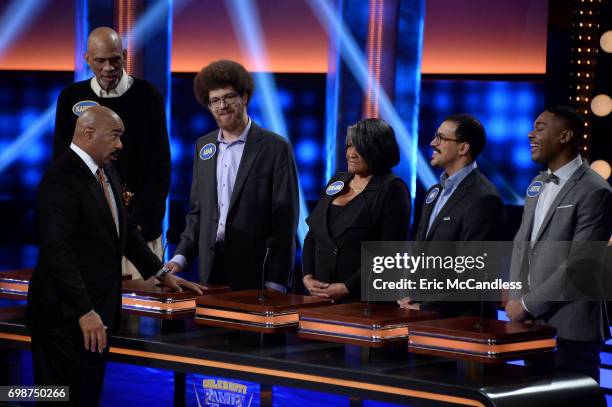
column 162, row 273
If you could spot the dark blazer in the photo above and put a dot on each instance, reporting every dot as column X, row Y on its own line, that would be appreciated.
column 581, row 212
column 380, row 213
column 144, row 163
column 474, row 212
column 264, row 204
column 79, row 263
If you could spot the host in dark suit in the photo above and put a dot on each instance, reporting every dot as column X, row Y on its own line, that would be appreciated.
column 244, row 191
column 367, row 203
column 75, row 292
column 568, row 203
column 464, row 206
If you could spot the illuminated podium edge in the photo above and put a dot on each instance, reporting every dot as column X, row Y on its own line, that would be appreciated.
column 358, row 328
column 14, row 284
column 442, row 338
column 146, row 299
column 242, row 310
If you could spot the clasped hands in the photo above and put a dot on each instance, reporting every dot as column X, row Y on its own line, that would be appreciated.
column 317, row 288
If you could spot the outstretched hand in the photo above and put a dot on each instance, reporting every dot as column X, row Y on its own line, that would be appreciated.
column 178, row 283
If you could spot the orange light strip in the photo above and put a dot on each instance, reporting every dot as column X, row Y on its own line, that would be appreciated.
column 374, row 51
column 158, row 305
column 370, row 334
column 15, row 287
column 125, row 15
column 283, row 319
column 281, row 373
column 480, row 348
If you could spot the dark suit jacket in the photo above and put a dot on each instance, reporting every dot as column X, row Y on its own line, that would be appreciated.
column 581, row 212
column 380, row 213
column 474, row 212
column 79, row 263
column 264, row 204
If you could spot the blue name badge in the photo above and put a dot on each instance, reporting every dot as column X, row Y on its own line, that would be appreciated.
column 432, row 195
column 79, row 107
column 534, row 189
column 334, row 188
column 208, row 151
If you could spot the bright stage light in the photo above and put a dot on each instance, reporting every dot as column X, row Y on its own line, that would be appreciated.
column 602, row 168
column 246, row 22
column 601, row 105
column 16, row 18
column 606, row 41
column 356, row 62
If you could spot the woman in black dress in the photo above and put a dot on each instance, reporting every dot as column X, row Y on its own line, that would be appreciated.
column 366, row 203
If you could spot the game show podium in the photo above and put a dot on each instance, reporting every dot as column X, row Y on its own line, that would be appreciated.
column 487, row 341
column 14, row 284
column 246, row 310
column 371, row 325
column 149, row 298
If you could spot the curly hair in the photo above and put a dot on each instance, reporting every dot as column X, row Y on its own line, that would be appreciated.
column 221, row 74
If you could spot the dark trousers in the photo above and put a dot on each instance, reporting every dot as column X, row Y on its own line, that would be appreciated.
column 60, row 359
column 218, row 273
column 574, row 356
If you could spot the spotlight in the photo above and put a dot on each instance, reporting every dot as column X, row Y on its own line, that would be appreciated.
column 602, row 168
column 601, row 105
column 606, row 41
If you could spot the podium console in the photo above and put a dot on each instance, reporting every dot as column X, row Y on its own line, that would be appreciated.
column 372, row 325
column 485, row 341
column 148, row 298
column 246, row 310
column 14, row 284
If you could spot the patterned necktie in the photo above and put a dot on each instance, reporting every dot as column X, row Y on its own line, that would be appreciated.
column 102, row 181
column 549, row 177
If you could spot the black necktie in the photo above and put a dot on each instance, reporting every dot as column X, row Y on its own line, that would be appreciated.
column 548, row 177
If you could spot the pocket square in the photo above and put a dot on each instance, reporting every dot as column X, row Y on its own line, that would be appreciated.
column 565, row 206
column 446, row 218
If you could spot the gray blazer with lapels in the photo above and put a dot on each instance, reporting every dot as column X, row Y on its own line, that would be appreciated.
column 264, row 204
column 581, row 212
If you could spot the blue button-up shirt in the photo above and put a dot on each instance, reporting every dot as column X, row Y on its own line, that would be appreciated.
column 228, row 161
column 449, row 185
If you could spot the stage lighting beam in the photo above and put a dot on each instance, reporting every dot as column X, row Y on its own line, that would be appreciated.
column 356, row 62
column 246, row 22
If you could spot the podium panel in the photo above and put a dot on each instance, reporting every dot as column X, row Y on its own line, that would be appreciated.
column 487, row 341
column 14, row 284
column 246, row 310
column 372, row 325
column 148, row 298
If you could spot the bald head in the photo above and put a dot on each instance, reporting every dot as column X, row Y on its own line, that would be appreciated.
column 98, row 132
column 105, row 56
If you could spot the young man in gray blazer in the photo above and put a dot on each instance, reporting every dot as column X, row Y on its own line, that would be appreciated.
column 565, row 205
column 244, row 191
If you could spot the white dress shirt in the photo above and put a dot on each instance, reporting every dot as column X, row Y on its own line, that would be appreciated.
column 124, row 84
column 93, row 167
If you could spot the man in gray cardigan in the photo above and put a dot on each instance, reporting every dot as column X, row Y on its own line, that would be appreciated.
column 567, row 205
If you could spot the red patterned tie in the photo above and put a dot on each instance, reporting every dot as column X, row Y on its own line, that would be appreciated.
column 102, row 181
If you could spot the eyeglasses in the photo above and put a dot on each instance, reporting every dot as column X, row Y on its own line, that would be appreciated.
column 438, row 138
column 229, row 99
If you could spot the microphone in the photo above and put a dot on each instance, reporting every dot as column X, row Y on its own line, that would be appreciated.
column 270, row 244
column 367, row 310
column 171, row 237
